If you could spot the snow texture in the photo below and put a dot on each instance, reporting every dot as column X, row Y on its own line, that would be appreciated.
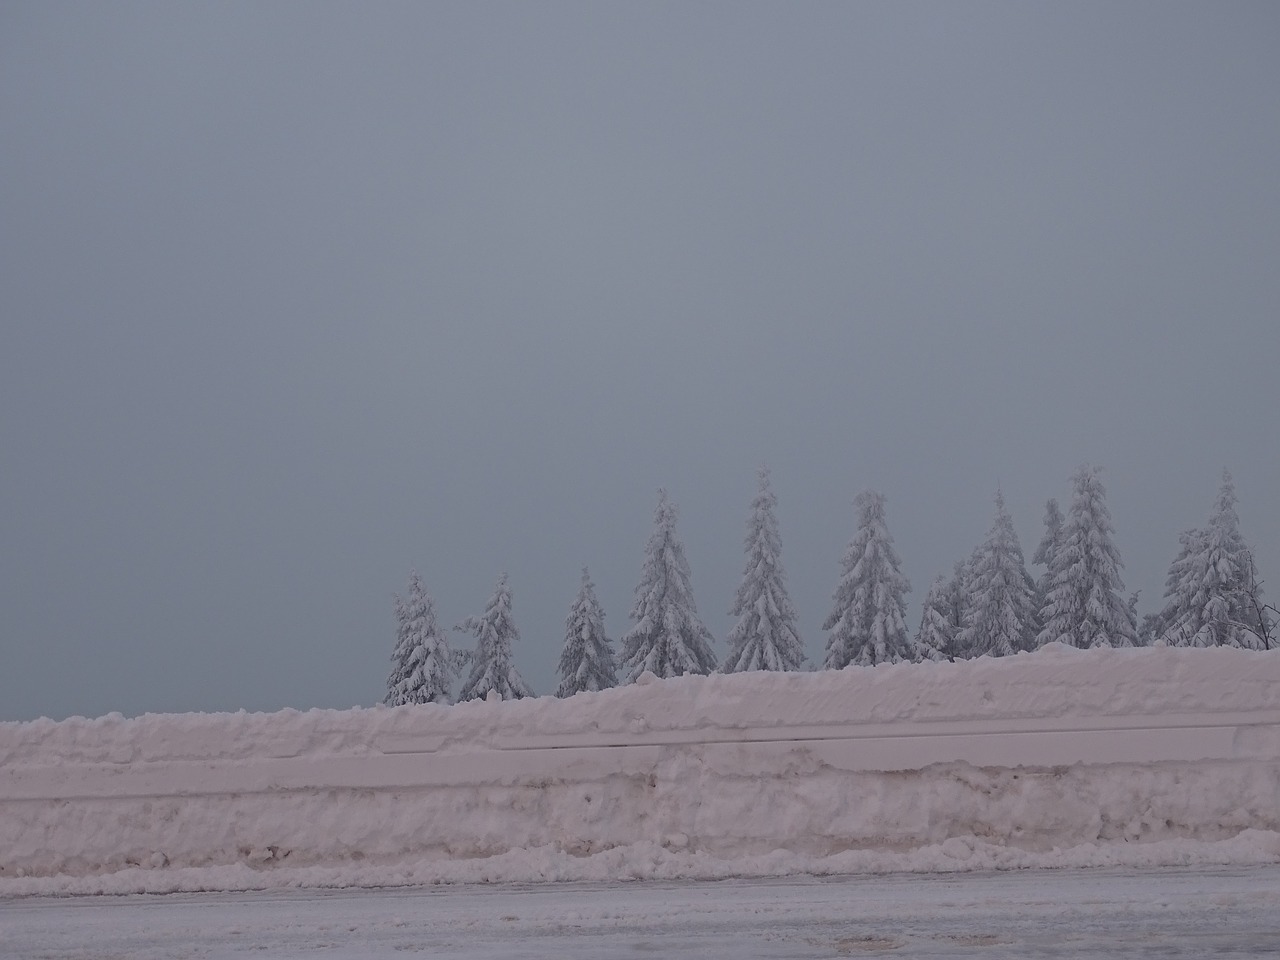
column 586, row 661
column 1084, row 606
column 492, row 671
column 668, row 639
column 868, row 623
column 423, row 668
column 765, row 636
column 1187, row 912
column 1059, row 757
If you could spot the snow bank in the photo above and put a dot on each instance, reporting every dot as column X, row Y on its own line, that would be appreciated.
column 1061, row 757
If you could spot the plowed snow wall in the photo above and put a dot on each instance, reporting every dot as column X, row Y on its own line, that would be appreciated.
column 1037, row 751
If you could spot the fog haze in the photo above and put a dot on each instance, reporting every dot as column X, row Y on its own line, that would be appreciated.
column 296, row 297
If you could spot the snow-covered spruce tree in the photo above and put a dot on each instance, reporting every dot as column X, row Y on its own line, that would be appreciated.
column 1084, row 606
column 401, row 656
column 1190, row 547
column 935, row 639
column 586, row 661
column 868, row 622
column 1001, row 619
column 1213, row 597
column 957, row 600
column 765, row 636
column 491, row 666
column 1047, row 547
column 668, row 639
column 960, row 599
column 423, row 665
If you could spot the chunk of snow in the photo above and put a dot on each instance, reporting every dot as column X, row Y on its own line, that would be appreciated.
column 1062, row 757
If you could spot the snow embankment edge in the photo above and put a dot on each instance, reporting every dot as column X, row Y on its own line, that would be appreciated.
column 1055, row 758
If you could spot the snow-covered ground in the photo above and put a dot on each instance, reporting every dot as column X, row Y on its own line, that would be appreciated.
column 1168, row 913
column 1141, row 757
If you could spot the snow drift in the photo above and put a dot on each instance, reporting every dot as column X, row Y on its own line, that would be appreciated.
column 1146, row 756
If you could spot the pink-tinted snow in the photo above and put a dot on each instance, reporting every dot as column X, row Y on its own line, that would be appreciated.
column 1061, row 757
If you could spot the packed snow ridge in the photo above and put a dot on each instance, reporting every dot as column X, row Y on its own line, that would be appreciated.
column 1147, row 756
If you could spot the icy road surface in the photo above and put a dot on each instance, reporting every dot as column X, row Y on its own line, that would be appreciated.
column 1219, row 912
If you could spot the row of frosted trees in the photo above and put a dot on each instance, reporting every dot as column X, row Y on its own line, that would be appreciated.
column 989, row 606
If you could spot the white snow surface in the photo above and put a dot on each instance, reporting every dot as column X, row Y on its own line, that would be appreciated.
column 1127, row 758
column 1227, row 913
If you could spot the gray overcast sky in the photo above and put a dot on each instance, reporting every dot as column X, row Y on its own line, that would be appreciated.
column 296, row 296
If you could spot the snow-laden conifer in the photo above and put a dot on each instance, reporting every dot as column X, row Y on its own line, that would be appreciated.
column 1084, row 606
column 1047, row 547
column 868, row 621
column 1213, row 597
column 586, row 660
column 1001, row 619
column 491, row 665
column 1181, row 571
column 423, row 665
column 957, row 598
column 935, row 639
column 668, row 639
column 765, row 636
